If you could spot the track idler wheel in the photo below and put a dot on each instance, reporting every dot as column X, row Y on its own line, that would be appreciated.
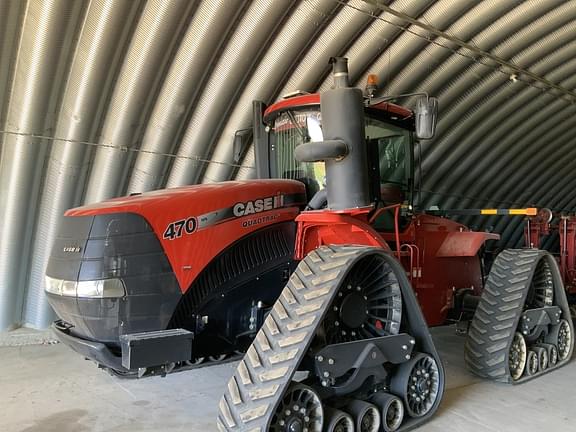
column 366, row 415
column 337, row 421
column 391, row 409
column 561, row 337
column 517, row 356
column 532, row 363
column 418, row 382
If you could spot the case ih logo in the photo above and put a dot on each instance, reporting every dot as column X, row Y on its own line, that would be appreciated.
column 71, row 249
column 258, row 206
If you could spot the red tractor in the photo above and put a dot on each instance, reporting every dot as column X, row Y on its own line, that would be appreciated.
column 539, row 225
column 321, row 272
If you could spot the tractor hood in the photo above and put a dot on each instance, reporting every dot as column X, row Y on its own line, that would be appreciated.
column 195, row 223
column 201, row 197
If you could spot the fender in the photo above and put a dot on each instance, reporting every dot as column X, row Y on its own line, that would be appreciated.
column 328, row 227
column 464, row 244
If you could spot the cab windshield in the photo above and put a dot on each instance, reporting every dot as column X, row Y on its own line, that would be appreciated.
column 292, row 128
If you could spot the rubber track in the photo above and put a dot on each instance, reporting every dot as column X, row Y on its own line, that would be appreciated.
column 264, row 374
column 499, row 310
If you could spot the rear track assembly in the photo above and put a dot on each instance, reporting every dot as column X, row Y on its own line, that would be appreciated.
column 522, row 326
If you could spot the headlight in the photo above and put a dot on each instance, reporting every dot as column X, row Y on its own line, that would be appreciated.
column 107, row 288
column 53, row 286
column 69, row 288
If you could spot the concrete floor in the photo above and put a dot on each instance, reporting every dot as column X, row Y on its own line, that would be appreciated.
column 48, row 388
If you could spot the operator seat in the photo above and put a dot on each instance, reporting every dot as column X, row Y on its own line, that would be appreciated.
column 310, row 185
column 391, row 193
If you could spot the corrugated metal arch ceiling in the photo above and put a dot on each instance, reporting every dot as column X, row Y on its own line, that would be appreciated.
column 99, row 98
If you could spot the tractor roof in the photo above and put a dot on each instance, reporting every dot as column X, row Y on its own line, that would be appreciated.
column 314, row 99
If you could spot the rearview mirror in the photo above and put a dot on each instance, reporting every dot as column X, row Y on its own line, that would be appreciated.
column 426, row 113
column 241, row 139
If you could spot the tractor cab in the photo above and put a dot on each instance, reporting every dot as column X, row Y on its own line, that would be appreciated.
column 390, row 136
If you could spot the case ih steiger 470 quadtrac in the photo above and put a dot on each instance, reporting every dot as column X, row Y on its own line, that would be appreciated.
column 321, row 272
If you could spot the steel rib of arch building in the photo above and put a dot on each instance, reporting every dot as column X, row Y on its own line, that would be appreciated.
column 102, row 98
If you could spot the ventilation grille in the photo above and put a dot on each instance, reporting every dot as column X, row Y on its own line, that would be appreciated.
column 244, row 256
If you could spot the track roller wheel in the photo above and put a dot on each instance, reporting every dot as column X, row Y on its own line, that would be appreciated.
column 523, row 303
column 366, row 416
column 337, row 421
column 196, row 361
column 391, row 409
column 542, row 357
column 532, row 363
column 299, row 411
column 127, row 374
column 417, row 381
column 217, row 358
column 552, row 354
column 561, row 336
column 169, row 367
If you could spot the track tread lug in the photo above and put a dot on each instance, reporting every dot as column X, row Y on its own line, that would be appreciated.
column 282, row 357
column 262, row 340
column 244, row 374
column 325, row 278
column 254, row 413
column 297, row 282
column 320, row 292
column 288, row 296
column 271, row 325
column 291, row 340
column 234, row 391
column 253, row 357
column 263, row 392
column 304, row 268
column 226, row 413
column 280, row 310
column 297, row 325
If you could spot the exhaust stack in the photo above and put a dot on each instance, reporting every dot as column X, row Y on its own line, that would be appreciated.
column 340, row 72
column 344, row 147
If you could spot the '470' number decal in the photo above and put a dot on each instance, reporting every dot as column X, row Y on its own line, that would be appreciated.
column 177, row 228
